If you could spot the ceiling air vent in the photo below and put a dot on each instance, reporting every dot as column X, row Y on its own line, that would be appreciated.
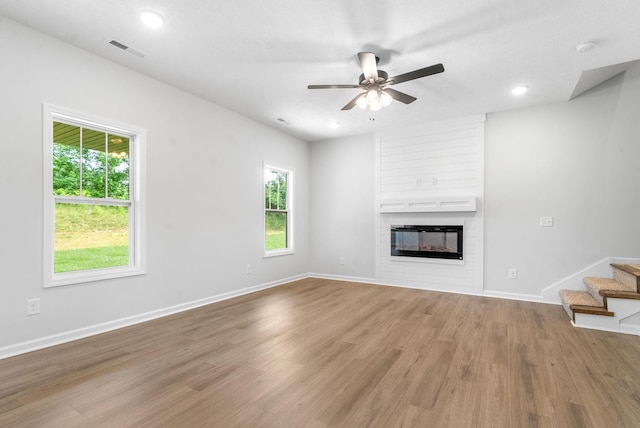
column 128, row 49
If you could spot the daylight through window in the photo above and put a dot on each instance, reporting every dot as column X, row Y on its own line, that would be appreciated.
column 92, row 188
column 277, row 221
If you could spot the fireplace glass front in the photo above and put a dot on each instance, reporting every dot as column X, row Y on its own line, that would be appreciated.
column 442, row 242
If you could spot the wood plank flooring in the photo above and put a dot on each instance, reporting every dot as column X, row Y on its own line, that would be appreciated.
column 319, row 353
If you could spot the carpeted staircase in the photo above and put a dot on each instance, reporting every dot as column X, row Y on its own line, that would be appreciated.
column 617, row 297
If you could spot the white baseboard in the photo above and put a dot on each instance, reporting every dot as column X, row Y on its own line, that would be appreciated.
column 68, row 336
column 629, row 329
column 343, row 278
column 515, row 296
column 485, row 293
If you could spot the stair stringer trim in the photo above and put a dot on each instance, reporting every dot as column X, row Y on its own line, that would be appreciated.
column 574, row 282
column 600, row 269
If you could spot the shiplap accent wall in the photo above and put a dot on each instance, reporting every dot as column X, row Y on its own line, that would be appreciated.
column 439, row 160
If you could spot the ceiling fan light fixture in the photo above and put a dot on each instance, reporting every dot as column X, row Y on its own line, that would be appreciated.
column 375, row 107
column 374, row 99
column 362, row 102
column 372, row 95
column 385, row 99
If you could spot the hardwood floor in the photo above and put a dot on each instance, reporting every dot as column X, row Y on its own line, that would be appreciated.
column 319, row 353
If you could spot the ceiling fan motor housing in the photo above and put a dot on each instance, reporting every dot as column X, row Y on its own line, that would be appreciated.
column 382, row 77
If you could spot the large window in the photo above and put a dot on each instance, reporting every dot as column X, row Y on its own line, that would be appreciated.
column 278, row 234
column 93, row 210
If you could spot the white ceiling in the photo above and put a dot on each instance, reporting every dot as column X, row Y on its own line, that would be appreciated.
column 257, row 57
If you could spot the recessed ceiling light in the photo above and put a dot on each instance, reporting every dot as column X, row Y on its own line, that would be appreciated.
column 152, row 19
column 519, row 90
column 334, row 125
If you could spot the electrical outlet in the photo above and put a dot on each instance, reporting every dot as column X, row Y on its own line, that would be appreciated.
column 248, row 270
column 33, row 306
column 513, row 273
column 341, row 261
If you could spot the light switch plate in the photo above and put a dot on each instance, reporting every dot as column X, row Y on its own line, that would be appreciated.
column 546, row 221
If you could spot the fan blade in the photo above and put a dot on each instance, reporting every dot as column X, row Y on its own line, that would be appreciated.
column 416, row 74
column 368, row 63
column 353, row 102
column 334, row 86
column 400, row 96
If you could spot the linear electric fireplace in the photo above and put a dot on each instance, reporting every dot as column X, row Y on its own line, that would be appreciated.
column 440, row 242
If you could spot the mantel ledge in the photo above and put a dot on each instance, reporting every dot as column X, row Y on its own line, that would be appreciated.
column 429, row 205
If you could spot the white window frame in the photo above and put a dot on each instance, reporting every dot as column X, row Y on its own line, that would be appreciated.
column 136, row 202
column 290, row 211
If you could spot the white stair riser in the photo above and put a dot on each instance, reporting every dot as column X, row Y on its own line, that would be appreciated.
column 597, row 322
column 623, row 308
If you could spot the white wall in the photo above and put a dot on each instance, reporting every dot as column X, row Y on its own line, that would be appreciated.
column 578, row 161
column 342, row 207
column 204, row 190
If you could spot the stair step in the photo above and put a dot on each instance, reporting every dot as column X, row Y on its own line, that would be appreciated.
column 579, row 299
column 595, row 286
column 631, row 295
column 577, row 309
column 625, row 284
column 629, row 268
column 628, row 274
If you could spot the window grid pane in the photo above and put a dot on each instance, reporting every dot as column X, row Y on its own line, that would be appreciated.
column 118, row 168
column 276, row 190
column 66, row 169
column 276, row 230
column 90, row 163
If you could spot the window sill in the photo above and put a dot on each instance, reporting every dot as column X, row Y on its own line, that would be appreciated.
column 276, row 253
column 70, row 278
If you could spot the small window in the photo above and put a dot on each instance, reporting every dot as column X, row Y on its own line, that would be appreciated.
column 92, row 198
column 278, row 234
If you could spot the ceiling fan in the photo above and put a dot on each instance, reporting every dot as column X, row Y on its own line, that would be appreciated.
column 375, row 83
